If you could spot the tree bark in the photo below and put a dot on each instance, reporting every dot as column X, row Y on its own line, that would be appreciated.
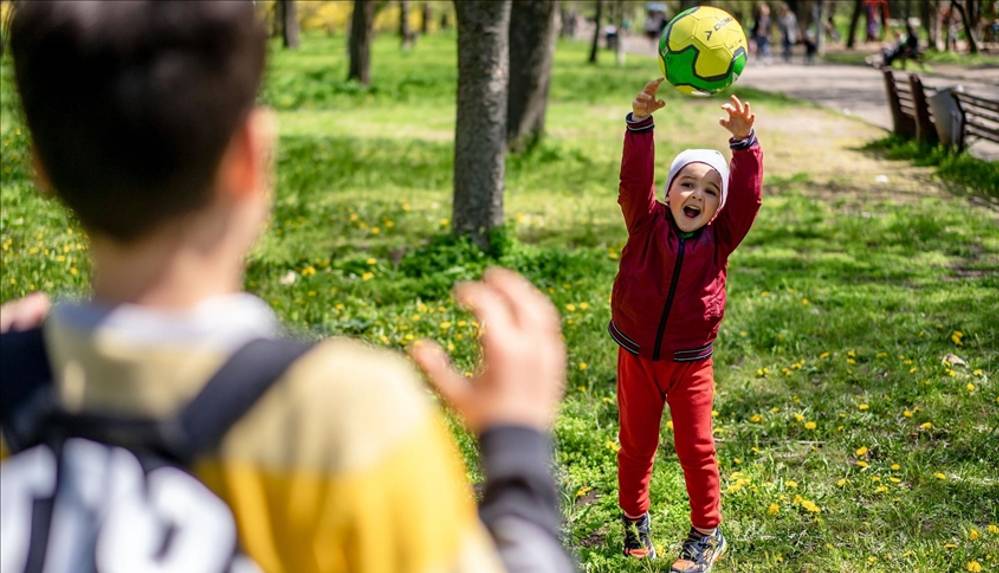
column 405, row 32
column 289, row 24
column 594, row 47
column 425, row 16
column 532, row 44
column 480, row 131
column 968, row 30
column 851, row 36
column 360, row 41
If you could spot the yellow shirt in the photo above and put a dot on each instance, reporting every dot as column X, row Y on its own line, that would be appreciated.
column 343, row 465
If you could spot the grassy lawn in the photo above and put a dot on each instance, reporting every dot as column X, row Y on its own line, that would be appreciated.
column 846, row 442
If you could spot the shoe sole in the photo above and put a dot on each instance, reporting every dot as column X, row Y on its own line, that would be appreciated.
column 714, row 559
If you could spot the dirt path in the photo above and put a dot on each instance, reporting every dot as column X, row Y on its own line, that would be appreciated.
column 857, row 91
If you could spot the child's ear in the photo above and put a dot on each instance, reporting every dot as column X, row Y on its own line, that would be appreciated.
column 246, row 164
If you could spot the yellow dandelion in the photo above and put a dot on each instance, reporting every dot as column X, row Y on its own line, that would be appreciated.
column 973, row 534
column 384, row 339
column 756, row 418
column 583, row 366
column 926, row 426
column 862, row 464
column 308, row 271
column 978, row 372
column 971, row 388
column 863, row 407
column 792, row 484
column 367, row 276
column 894, row 480
column 583, row 491
column 445, row 325
column 956, row 337
column 805, row 301
column 952, row 373
column 416, row 318
column 613, row 446
column 669, row 425
column 372, row 261
column 913, row 370
column 973, row 566
column 940, row 475
column 841, row 482
column 799, row 417
column 881, row 489
column 810, row 506
column 810, row 425
column 861, row 451
column 353, row 216
column 375, row 230
column 823, row 356
column 993, row 529
column 907, row 413
column 773, row 509
column 570, row 307
column 714, row 413
column 896, row 467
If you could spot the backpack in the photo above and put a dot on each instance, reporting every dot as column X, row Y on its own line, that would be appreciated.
column 101, row 494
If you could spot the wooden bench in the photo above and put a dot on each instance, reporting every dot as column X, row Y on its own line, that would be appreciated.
column 910, row 112
column 979, row 118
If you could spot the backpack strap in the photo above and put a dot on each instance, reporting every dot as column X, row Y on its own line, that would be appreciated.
column 25, row 379
column 198, row 427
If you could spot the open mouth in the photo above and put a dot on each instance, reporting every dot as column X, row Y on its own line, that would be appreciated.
column 691, row 211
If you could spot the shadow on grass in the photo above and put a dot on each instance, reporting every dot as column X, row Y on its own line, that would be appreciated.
column 962, row 174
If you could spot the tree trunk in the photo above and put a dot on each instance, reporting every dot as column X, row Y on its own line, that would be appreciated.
column 480, row 131
column 532, row 44
column 289, row 24
column 594, row 47
column 820, row 27
column 851, row 36
column 360, row 41
column 405, row 33
column 968, row 31
column 425, row 16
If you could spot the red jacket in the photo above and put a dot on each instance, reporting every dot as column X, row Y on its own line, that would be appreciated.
column 669, row 294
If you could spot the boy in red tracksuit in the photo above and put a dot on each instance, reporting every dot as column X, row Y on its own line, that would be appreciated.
column 666, row 307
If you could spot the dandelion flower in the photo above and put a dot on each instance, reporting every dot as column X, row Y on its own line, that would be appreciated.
column 926, row 426
column 570, row 307
column 792, row 484
column 863, row 407
column 756, row 418
column 774, row 509
column 973, row 534
column 940, row 475
column 973, row 566
column 372, row 261
column 823, row 356
column 841, row 482
column 861, row 451
column 810, row 506
column 583, row 366
column 993, row 529
column 971, row 388
column 896, row 467
column 907, row 413
column 584, row 305
column 862, row 464
column 669, row 425
column 809, row 425
column 367, row 276
column 799, row 417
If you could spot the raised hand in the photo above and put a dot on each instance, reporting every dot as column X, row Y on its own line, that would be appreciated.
column 24, row 313
column 740, row 118
column 523, row 372
column 645, row 102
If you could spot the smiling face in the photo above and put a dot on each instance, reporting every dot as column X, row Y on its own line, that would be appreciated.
column 694, row 196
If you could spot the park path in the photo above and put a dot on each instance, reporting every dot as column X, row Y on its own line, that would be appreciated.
column 853, row 90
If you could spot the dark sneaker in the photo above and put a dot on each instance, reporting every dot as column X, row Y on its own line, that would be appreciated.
column 700, row 552
column 638, row 537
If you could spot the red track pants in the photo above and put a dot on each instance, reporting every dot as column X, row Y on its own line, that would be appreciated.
column 643, row 387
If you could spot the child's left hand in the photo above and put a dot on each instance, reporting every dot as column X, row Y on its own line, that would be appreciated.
column 740, row 118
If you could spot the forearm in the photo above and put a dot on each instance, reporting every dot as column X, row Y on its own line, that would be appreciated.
column 636, row 193
column 520, row 505
column 745, row 191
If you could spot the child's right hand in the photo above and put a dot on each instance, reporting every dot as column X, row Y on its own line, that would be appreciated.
column 645, row 102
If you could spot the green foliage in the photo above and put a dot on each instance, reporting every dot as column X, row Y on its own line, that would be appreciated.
column 845, row 442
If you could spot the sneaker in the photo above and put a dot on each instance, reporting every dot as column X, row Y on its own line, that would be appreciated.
column 638, row 537
column 700, row 552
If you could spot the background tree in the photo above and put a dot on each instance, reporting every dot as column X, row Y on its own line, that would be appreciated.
column 359, row 42
column 966, row 20
column 480, row 131
column 532, row 43
column 406, row 34
column 595, row 46
column 426, row 15
column 289, row 23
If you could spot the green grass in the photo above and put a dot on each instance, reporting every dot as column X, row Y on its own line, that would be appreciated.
column 964, row 173
column 925, row 65
column 841, row 305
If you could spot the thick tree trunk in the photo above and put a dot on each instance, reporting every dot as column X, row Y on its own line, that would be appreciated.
column 532, row 44
column 595, row 46
column 289, row 24
column 405, row 33
column 360, row 41
column 425, row 15
column 480, row 132
column 819, row 9
column 968, row 30
column 851, row 36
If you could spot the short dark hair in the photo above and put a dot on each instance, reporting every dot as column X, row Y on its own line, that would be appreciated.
column 131, row 104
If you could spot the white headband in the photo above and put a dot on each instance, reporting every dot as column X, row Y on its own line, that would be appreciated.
column 710, row 157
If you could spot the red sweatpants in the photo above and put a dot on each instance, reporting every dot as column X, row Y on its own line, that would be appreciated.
column 643, row 386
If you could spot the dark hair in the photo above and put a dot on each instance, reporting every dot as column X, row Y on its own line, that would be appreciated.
column 131, row 104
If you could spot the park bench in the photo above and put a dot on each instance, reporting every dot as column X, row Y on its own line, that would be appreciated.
column 979, row 118
column 910, row 113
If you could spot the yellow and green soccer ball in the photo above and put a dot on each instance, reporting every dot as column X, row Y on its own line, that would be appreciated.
column 702, row 50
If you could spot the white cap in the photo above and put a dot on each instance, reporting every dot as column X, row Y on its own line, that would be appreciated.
column 710, row 157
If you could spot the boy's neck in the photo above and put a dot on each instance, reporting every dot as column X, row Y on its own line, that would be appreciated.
column 161, row 274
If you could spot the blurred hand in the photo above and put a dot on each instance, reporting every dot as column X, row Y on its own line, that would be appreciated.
column 740, row 118
column 523, row 372
column 24, row 313
column 645, row 102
